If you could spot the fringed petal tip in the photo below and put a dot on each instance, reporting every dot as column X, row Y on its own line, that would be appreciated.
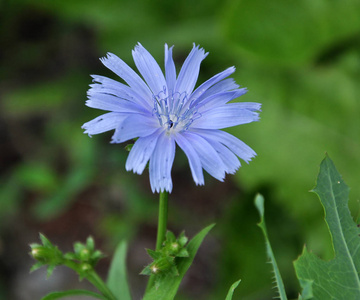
column 86, row 130
column 197, row 47
column 108, row 56
column 159, row 190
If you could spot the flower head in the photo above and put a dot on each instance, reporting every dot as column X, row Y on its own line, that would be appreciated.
column 162, row 111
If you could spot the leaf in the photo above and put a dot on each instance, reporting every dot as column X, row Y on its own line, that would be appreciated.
column 339, row 277
column 259, row 203
column 117, row 280
column 232, row 289
column 166, row 287
column 65, row 294
column 306, row 293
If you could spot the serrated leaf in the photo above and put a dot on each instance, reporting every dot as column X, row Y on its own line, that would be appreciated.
column 259, row 203
column 70, row 293
column 117, row 278
column 339, row 277
column 306, row 293
column 232, row 289
column 166, row 288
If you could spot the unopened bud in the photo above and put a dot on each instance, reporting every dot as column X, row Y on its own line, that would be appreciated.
column 175, row 247
column 84, row 254
column 86, row 267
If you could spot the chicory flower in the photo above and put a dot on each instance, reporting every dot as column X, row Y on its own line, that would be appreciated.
column 161, row 111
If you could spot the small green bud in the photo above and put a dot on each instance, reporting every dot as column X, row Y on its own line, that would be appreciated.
column 36, row 253
column 46, row 255
column 84, row 254
column 154, row 269
column 162, row 264
column 86, row 267
column 174, row 247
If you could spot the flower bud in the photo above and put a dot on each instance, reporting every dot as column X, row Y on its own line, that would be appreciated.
column 84, row 254
column 46, row 255
column 86, row 267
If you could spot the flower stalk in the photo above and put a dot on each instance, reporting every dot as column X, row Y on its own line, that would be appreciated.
column 161, row 231
column 162, row 221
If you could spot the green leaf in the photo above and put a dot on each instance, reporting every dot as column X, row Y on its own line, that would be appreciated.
column 166, row 287
column 65, row 294
column 259, row 203
column 232, row 289
column 117, row 280
column 306, row 293
column 339, row 277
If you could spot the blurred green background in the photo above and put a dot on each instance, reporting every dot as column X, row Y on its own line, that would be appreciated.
column 300, row 59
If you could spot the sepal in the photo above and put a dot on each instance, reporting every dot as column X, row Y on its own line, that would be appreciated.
column 46, row 254
column 164, row 259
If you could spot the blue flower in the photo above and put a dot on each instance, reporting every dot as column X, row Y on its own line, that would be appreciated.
column 162, row 111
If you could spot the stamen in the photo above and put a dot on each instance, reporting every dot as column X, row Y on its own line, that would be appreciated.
column 173, row 111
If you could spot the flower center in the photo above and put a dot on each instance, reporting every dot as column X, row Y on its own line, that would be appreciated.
column 173, row 111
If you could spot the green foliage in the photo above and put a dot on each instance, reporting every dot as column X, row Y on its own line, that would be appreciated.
column 85, row 253
column 301, row 59
column 82, row 261
column 259, row 203
column 271, row 31
column 165, row 263
column 71, row 293
column 47, row 255
column 231, row 290
column 167, row 287
column 339, row 277
column 117, row 278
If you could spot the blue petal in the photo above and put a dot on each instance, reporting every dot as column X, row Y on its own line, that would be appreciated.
column 207, row 84
column 229, row 159
column 104, row 123
column 141, row 152
column 209, row 158
column 170, row 70
column 225, row 85
column 225, row 116
column 237, row 146
column 135, row 126
column 121, row 69
column 149, row 69
column 217, row 100
column 109, row 86
column 190, row 71
column 161, row 163
column 113, row 103
column 193, row 158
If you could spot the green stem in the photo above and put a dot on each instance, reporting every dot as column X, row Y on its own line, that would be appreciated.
column 162, row 223
column 161, row 232
column 93, row 278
